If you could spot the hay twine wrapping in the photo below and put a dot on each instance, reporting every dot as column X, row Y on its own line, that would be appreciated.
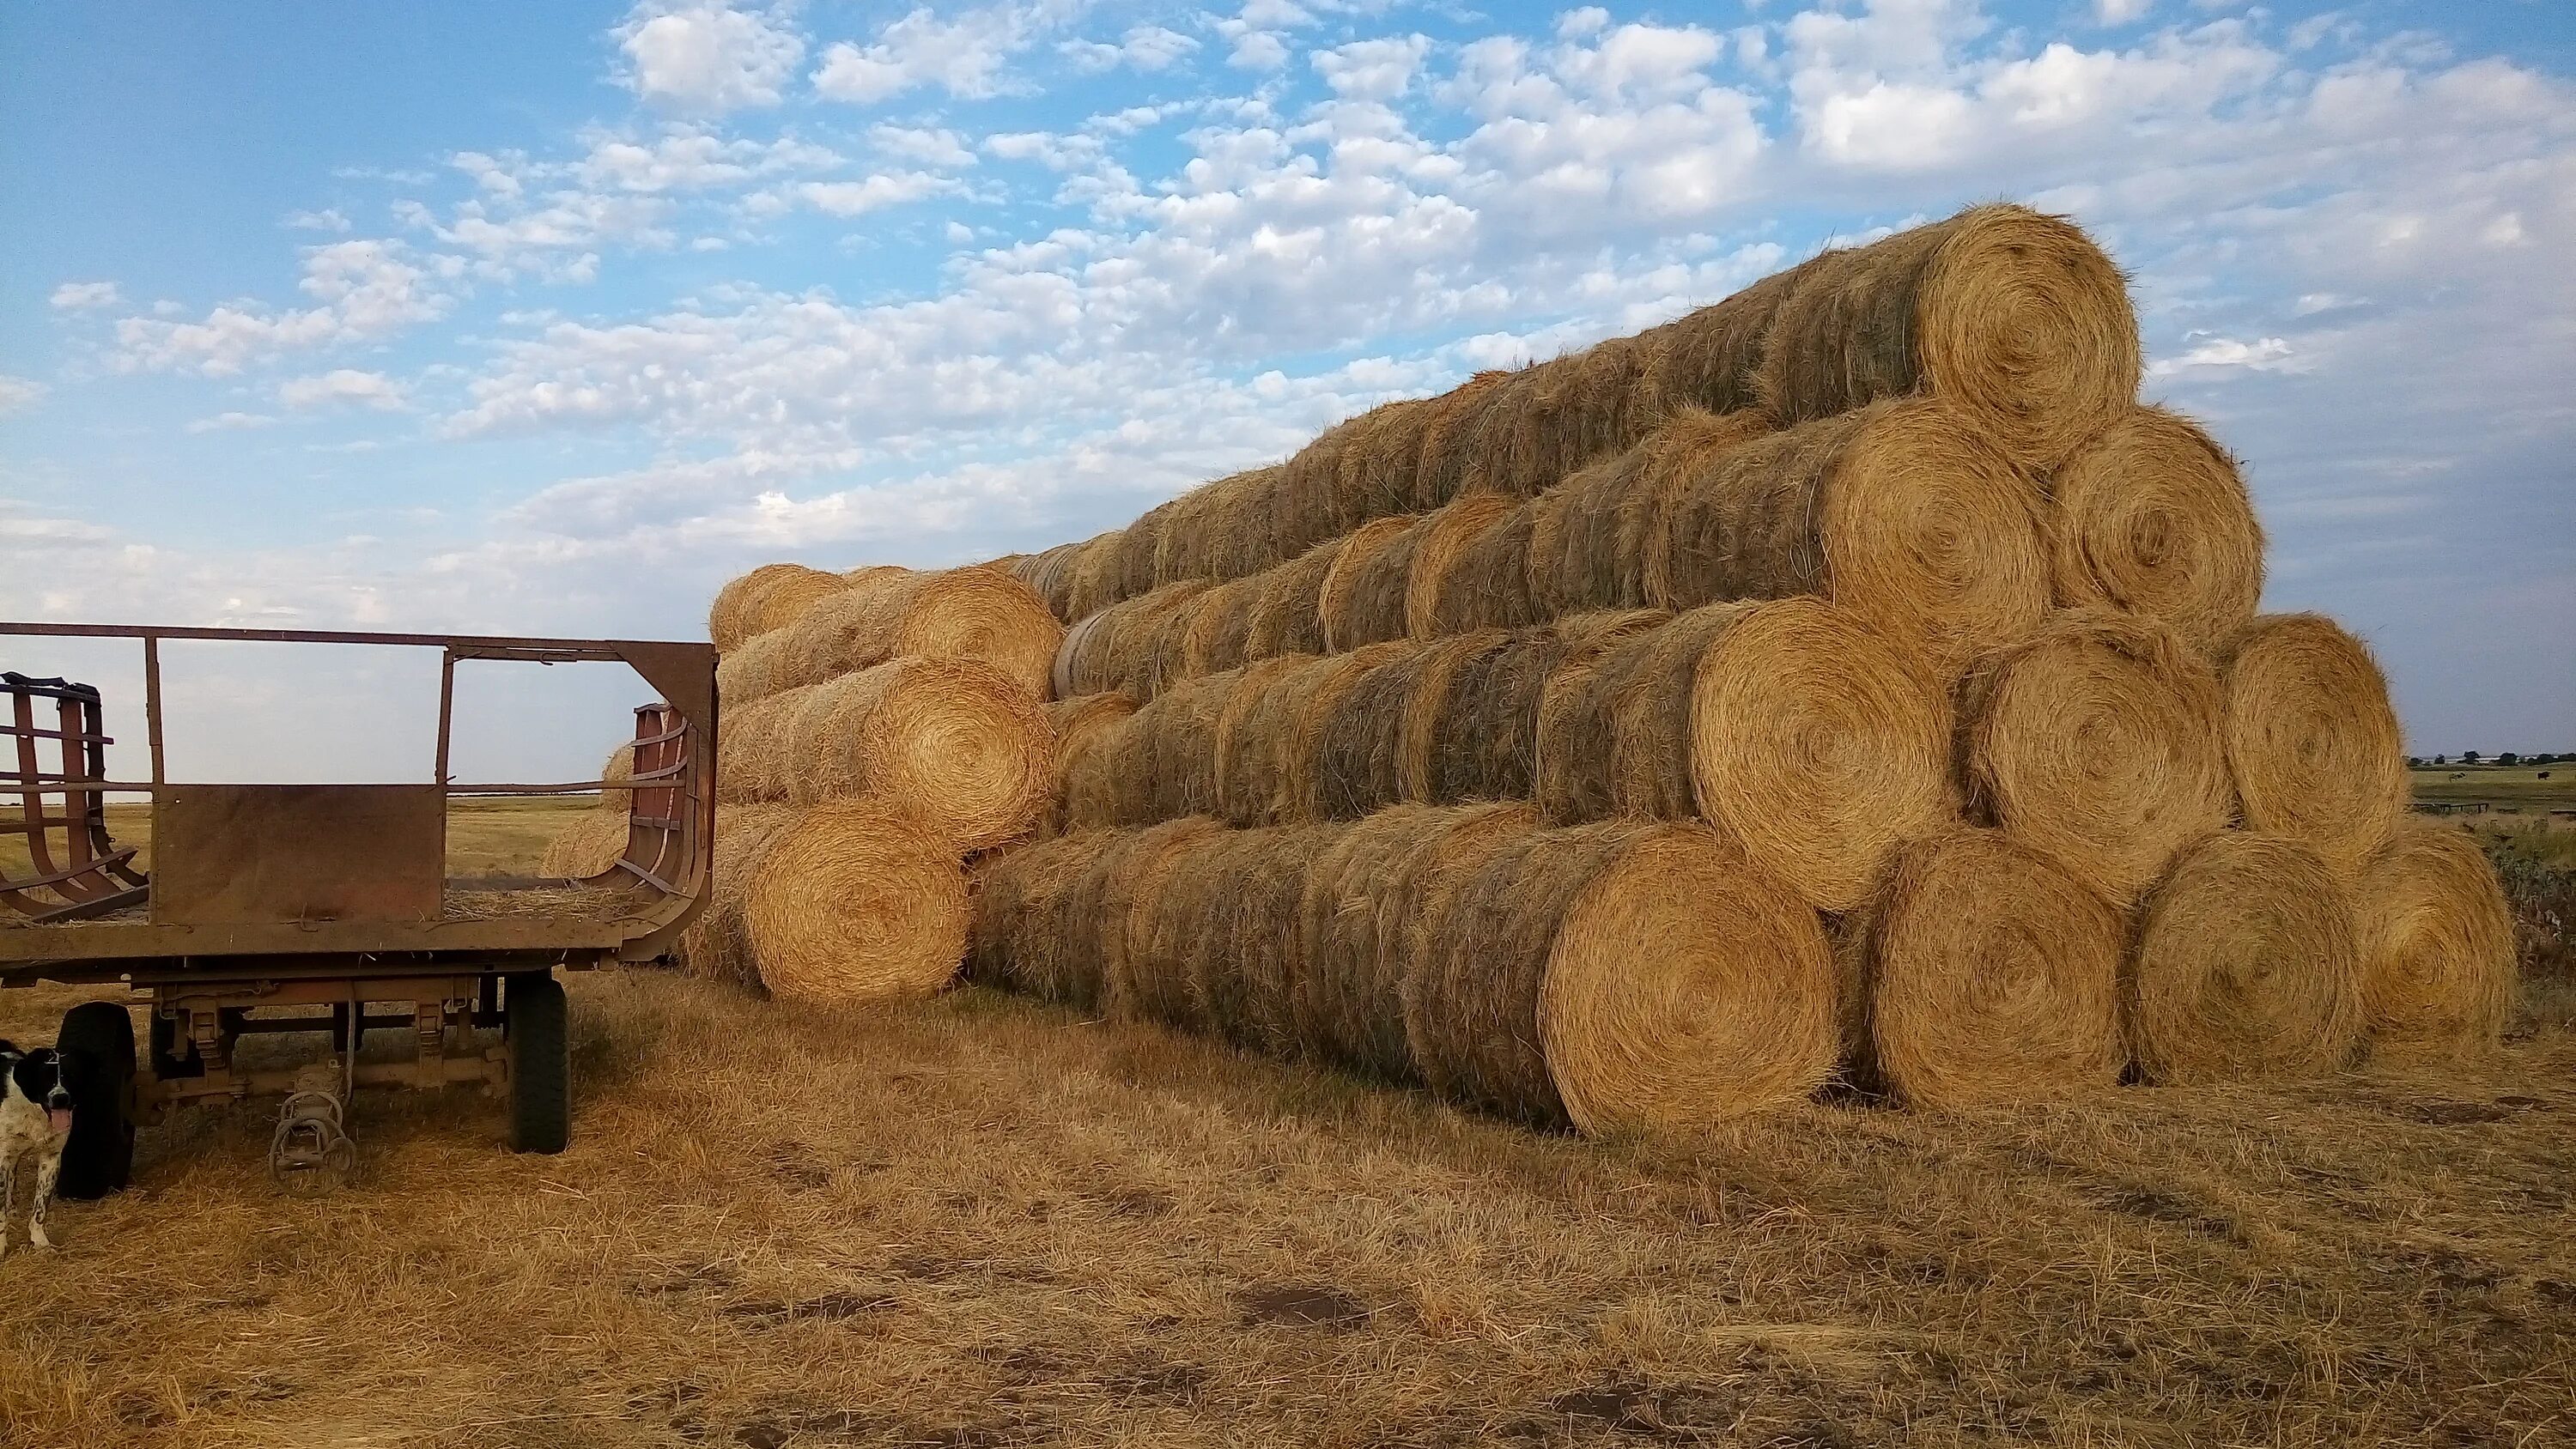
column 1980, row 971
column 1620, row 977
column 856, row 901
column 2016, row 317
column 716, row 944
column 2096, row 742
column 2245, row 965
column 1810, row 742
column 2151, row 515
column 1901, row 512
column 2437, row 947
column 2312, row 740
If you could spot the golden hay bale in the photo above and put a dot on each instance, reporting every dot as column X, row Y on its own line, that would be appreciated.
column 1235, row 901
column 2245, row 965
column 1079, row 725
column 617, row 769
column 586, row 845
column 982, row 614
column 1711, row 358
column 1358, row 761
column 1249, row 533
column 2096, row 742
column 1267, row 736
column 2017, row 318
column 1620, row 976
column 1030, row 931
column 760, row 666
column 1980, row 972
column 715, row 945
column 1361, row 599
column 965, row 750
column 1434, row 672
column 1441, row 554
column 1186, row 544
column 1449, row 427
column 1289, row 619
column 2151, row 515
column 1133, row 646
column 1502, row 444
column 1094, row 578
column 2436, row 942
column 1052, row 575
column 1127, row 887
column 1480, row 715
column 1900, row 512
column 1590, row 536
column 1810, row 742
column 737, row 613
column 750, row 753
column 857, row 901
column 1139, row 545
column 1374, row 471
column 786, row 598
column 1158, row 764
column 1308, row 502
column 1485, row 584
column 1218, row 629
column 1364, row 894
column 2311, row 739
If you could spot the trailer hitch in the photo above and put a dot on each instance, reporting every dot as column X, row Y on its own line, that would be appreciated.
column 311, row 1151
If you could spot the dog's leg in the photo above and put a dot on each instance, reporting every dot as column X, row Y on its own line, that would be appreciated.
column 8, row 1190
column 47, row 1168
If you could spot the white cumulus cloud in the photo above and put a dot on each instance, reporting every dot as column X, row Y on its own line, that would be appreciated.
column 708, row 58
column 343, row 387
column 83, row 296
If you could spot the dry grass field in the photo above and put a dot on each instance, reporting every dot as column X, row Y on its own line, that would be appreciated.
column 981, row 1222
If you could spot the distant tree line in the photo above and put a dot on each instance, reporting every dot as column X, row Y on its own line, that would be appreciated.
column 2509, row 759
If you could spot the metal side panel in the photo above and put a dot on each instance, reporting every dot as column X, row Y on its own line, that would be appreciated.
column 277, row 854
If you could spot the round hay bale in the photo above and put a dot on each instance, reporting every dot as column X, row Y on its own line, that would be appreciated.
column 1218, row 628
column 1374, row 474
column 1266, row 744
column 1140, row 544
column 617, row 769
column 715, row 945
column 1485, row 584
column 2245, row 965
column 1028, row 932
column 1160, row 764
column 586, row 845
column 962, row 748
column 1247, row 535
column 1095, row 577
column 1243, row 894
column 751, row 761
column 1590, row 535
column 2150, row 515
column 1620, row 977
column 1362, row 597
column 1434, row 672
column 1505, row 451
column 731, row 618
column 1133, row 647
column 2312, row 741
column 2017, row 318
column 1052, row 575
column 2096, row 742
column 1810, row 742
column 1981, row 971
column 1449, row 427
column 2436, row 941
column 762, row 665
column 1483, row 712
column 1142, row 979
column 1441, row 551
column 1357, row 763
column 857, row 901
column 1711, row 358
column 1185, row 545
column 1309, row 498
column 1900, row 512
column 1364, row 893
column 1289, row 619
column 787, row 596
column 1078, row 725
column 978, row 614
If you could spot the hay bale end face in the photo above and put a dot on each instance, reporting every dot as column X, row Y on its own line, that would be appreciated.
column 954, row 742
column 2150, row 515
column 2245, row 965
column 1361, row 598
column 2437, row 948
column 2016, row 317
column 980, row 614
column 856, row 902
column 2096, row 742
column 1981, row 971
column 2312, row 741
column 741, row 608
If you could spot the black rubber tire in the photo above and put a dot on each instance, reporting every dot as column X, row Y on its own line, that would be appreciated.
column 99, row 1158
column 540, row 1063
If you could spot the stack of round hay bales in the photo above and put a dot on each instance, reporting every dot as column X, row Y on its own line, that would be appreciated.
column 876, row 614
column 1613, row 977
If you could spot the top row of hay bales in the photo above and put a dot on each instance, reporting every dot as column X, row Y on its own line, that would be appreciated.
column 785, row 625
column 2015, row 319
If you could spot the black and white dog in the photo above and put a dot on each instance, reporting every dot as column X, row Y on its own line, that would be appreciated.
column 38, row 1092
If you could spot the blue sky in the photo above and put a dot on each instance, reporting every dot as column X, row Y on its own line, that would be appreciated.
column 547, row 318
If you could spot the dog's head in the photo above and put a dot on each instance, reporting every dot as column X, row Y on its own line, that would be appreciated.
column 52, row 1080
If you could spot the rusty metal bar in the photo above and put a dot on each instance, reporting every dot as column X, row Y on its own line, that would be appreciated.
column 152, row 705
column 467, row 645
column 446, row 711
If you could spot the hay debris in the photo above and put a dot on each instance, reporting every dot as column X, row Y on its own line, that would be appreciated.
column 2437, row 951
column 2245, row 965
column 2150, row 515
column 1620, row 976
column 1811, row 743
column 1900, row 512
column 2096, row 742
column 2015, row 317
column 854, row 902
column 1980, row 971
column 2312, row 741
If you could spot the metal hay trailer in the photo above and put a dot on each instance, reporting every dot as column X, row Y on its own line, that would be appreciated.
column 279, row 908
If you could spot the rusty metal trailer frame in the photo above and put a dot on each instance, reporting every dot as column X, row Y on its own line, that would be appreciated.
column 332, row 896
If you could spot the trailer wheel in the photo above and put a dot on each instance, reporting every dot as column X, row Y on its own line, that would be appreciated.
column 540, row 1064
column 99, row 1158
